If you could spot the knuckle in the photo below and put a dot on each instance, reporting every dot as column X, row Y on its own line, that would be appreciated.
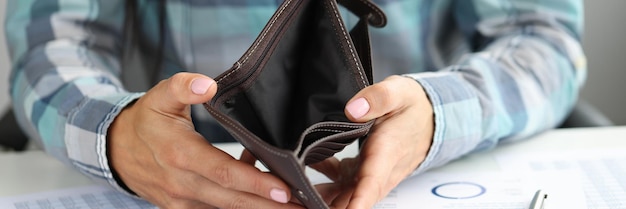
column 174, row 191
column 174, row 157
column 381, row 94
column 180, row 204
column 257, row 185
column 223, row 174
column 239, row 202
column 179, row 77
column 178, row 81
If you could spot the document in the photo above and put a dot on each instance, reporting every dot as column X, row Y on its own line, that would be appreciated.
column 89, row 197
column 601, row 173
column 432, row 190
column 489, row 190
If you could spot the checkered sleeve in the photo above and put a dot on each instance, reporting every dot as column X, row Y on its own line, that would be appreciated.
column 64, row 82
column 521, row 77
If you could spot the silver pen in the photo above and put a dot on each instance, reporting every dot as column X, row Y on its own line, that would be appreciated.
column 538, row 200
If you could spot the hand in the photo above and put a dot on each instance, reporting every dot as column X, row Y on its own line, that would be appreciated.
column 397, row 144
column 157, row 153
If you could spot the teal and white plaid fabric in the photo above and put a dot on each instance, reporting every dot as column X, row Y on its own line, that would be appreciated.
column 494, row 70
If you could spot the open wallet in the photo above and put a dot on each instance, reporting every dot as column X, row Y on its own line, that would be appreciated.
column 284, row 99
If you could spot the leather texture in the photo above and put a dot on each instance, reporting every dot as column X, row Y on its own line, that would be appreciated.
column 284, row 99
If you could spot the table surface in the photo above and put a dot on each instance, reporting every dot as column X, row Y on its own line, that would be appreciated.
column 34, row 171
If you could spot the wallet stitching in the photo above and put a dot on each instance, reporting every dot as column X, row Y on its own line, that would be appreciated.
column 239, row 64
column 356, row 132
column 340, row 126
column 257, row 43
column 300, row 174
column 343, row 31
column 325, row 130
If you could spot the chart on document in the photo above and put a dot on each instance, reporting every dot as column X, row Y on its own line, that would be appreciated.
column 91, row 197
column 602, row 174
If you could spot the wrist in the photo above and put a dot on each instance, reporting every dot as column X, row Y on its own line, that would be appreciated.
column 119, row 131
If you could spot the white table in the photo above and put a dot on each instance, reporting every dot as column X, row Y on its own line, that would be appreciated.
column 34, row 171
column 560, row 139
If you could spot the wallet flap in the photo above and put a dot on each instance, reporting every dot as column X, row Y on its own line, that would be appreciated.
column 323, row 140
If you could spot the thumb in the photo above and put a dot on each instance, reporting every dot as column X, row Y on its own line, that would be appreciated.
column 387, row 96
column 175, row 94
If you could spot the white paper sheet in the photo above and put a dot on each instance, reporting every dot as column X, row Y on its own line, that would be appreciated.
column 433, row 190
column 90, row 197
column 479, row 191
column 601, row 173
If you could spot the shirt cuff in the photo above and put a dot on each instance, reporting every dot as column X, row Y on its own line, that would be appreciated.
column 458, row 117
column 86, row 136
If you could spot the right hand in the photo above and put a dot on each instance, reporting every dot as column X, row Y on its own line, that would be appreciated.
column 156, row 152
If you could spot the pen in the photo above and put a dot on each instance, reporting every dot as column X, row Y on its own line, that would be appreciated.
column 538, row 200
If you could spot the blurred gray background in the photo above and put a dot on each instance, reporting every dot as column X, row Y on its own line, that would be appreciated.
column 4, row 63
column 604, row 43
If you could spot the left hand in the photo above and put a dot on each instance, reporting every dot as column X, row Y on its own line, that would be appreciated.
column 396, row 145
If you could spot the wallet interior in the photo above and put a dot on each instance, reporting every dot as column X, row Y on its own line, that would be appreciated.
column 299, row 82
column 284, row 98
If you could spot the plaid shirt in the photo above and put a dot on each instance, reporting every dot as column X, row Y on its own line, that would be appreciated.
column 495, row 71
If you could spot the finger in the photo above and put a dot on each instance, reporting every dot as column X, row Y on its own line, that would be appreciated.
column 217, row 166
column 247, row 157
column 335, row 195
column 213, row 194
column 187, row 204
column 362, row 199
column 376, row 100
column 348, row 167
column 175, row 196
column 371, row 183
column 342, row 200
column 328, row 191
column 328, row 167
column 176, row 93
column 233, row 174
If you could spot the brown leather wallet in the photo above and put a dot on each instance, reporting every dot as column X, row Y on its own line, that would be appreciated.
column 284, row 99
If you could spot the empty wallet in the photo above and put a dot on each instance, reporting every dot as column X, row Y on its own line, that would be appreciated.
column 284, row 99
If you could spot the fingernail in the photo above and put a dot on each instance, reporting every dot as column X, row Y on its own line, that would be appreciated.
column 279, row 195
column 358, row 108
column 200, row 86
